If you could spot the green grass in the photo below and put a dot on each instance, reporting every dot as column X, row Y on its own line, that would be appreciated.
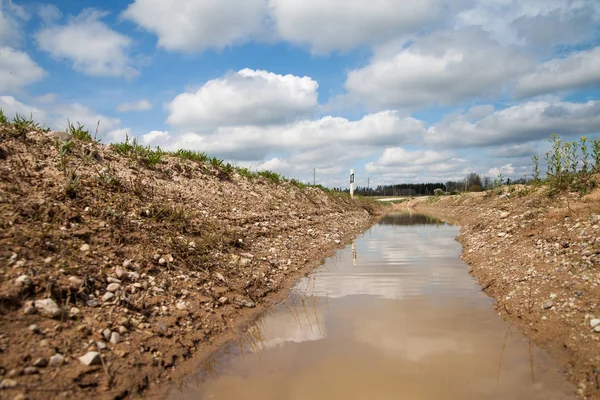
column 190, row 155
column 23, row 125
column 135, row 151
column 78, row 132
column 3, row 119
column 270, row 176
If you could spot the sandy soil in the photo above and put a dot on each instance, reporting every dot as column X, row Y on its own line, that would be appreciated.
column 139, row 269
column 539, row 258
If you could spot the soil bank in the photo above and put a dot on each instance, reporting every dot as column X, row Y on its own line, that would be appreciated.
column 137, row 268
column 539, row 258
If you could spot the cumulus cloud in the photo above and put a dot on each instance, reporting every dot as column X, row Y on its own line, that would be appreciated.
column 399, row 164
column 17, row 70
column 533, row 22
column 525, row 122
column 93, row 47
column 11, row 106
column 578, row 70
column 345, row 24
column 140, row 105
column 514, row 150
column 323, row 136
column 247, row 97
column 439, row 69
column 191, row 25
column 11, row 17
column 505, row 170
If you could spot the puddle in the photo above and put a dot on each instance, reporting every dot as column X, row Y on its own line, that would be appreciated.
column 393, row 316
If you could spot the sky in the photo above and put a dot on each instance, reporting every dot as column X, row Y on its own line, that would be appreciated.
column 399, row 90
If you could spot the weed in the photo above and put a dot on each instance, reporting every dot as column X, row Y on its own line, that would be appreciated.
column 216, row 163
column 22, row 125
column 78, row 132
column 191, row 155
column 228, row 169
column 271, row 176
column 108, row 178
column 135, row 151
column 536, row 169
column 3, row 119
column 246, row 173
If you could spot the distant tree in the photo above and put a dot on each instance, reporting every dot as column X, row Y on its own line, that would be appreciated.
column 474, row 179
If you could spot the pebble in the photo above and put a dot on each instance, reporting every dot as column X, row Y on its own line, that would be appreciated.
column 34, row 328
column 223, row 300
column 48, row 308
column 123, row 330
column 8, row 383
column 28, row 310
column 56, row 360
column 74, row 312
column 106, row 333
column 40, row 363
column 501, row 234
column 85, row 247
column 181, row 306
column 108, row 296
column 75, row 281
column 100, row 345
column 92, row 303
column 90, row 358
column 594, row 219
column 504, row 215
column 113, row 287
column 115, row 337
column 110, row 279
column 594, row 323
column 30, row 371
column 119, row 272
column 248, row 304
column 24, row 282
column 547, row 304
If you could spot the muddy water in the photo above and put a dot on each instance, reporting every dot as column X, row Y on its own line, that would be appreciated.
column 393, row 316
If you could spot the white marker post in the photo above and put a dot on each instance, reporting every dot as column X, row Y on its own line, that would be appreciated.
column 352, row 183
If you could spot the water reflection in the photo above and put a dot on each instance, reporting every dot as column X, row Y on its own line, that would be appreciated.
column 410, row 219
column 401, row 320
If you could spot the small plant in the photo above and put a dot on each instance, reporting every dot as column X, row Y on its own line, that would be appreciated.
column 191, row 155
column 246, row 173
column 3, row 119
column 216, row 163
column 135, row 151
column 78, row 132
column 536, row 169
column 228, row 169
column 596, row 154
column 22, row 125
column 272, row 177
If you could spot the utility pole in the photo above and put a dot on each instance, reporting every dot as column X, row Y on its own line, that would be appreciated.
column 368, row 186
column 314, row 176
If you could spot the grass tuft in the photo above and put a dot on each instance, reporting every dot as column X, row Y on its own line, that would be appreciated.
column 78, row 132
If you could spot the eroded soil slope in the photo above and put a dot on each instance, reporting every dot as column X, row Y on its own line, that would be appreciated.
column 540, row 259
column 114, row 272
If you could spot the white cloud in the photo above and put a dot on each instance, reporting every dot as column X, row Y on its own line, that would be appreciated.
column 11, row 106
column 90, row 44
column 521, row 123
column 140, row 105
column 192, row 25
column 11, row 16
column 514, row 150
column 533, row 22
column 156, row 137
column 322, row 140
column 247, row 97
column 397, row 164
column 578, row 70
column 345, row 24
column 505, row 170
column 49, row 13
column 17, row 69
column 437, row 70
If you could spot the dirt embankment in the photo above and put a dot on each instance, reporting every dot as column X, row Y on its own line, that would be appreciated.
column 540, row 259
column 114, row 273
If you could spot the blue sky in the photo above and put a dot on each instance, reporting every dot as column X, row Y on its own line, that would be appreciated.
column 401, row 91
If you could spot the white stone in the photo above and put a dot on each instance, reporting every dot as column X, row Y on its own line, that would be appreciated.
column 181, row 306
column 90, row 358
column 75, row 281
column 108, row 296
column 74, row 312
column 595, row 322
column 115, row 337
column 23, row 281
column 113, row 287
column 48, row 308
column 85, row 247
column 56, row 360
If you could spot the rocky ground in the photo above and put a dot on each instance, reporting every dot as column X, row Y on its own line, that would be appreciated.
column 113, row 272
column 539, row 257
